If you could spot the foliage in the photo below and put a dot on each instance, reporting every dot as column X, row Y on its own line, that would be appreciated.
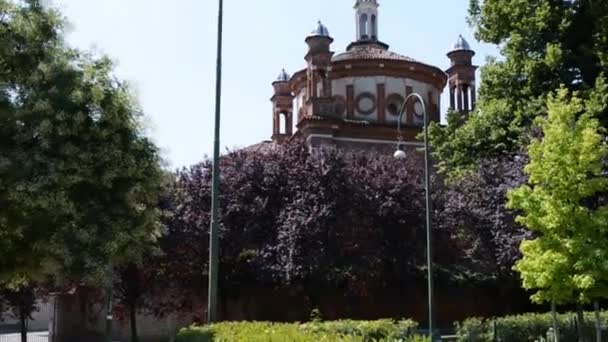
column 566, row 262
column 316, row 316
column 367, row 330
column 78, row 180
column 544, row 44
column 352, row 222
column 133, row 284
column 472, row 210
column 525, row 327
column 22, row 301
column 139, row 286
column 291, row 218
column 341, row 331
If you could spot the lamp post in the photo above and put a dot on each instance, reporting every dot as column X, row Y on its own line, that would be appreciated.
column 400, row 154
column 212, row 315
column 109, row 307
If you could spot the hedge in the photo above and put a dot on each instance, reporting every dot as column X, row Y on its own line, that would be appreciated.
column 525, row 327
column 337, row 331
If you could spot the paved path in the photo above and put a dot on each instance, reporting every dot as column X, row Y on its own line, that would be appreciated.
column 31, row 337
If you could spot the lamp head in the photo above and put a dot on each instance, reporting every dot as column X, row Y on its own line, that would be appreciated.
column 400, row 153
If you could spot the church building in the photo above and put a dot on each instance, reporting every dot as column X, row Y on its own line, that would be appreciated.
column 352, row 99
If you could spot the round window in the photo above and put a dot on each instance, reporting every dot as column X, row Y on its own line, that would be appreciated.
column 394, row 103
column 366, row 103
column 418, row 109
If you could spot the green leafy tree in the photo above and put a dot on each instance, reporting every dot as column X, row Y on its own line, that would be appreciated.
column 566, row 261
column 78, row 180
column 22, row 303
column 544, row 44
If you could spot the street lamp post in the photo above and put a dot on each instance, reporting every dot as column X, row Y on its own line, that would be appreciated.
column 212, row 315
column 400, row 154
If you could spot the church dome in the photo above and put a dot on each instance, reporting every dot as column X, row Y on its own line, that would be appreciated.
column 461, row 45
column 319, row 31
column 367, row 51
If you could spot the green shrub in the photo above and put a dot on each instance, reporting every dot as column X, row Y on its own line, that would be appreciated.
column 366, row 330
column 418, row 338
column 338, row 331
column 195, row 334
column 526, row 327
column 315, row 315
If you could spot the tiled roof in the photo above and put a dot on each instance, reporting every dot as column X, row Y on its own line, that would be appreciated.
column 263, row 147
column 371, row 51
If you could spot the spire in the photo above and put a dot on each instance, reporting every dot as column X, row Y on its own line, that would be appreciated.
column 367, row 20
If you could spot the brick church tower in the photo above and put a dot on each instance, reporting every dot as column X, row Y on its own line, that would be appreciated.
column 282, row 109
column 318, row 84
column 352, row 99
column 462, row 77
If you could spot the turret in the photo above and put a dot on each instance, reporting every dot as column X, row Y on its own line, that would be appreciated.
column 318, row 59
column 462, row 77
column 318, row 83
column 282, row 108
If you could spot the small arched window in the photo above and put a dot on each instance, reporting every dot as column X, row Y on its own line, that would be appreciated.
column 374, row 27
column 283, row 123
column 363, row 26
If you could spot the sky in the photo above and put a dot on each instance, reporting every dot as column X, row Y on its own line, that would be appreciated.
column 166, row 50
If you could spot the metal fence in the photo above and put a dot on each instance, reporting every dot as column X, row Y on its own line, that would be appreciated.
column 12, row 333
column 31, row 337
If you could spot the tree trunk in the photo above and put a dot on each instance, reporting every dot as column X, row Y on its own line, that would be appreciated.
column 580, row 317
column 554, row 319
column 79, row 318
column 133, row 313
column 23, row 321
column 598, row 321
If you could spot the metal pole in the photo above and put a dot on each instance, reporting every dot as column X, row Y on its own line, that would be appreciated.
column 110, row 306
column 427, row 185
column 212, row 315
column 554, row 321
column 598, row 321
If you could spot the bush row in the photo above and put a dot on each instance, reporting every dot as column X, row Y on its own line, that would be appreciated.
column 337, row 331
column 525, row 327
column 517, row 328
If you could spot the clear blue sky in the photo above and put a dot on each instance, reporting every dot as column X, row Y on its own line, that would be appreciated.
column 166, row 50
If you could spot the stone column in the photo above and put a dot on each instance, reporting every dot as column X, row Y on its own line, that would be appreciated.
column 465, row 95
column 350, row 101
column 452, row 98
column 381, row 105
column 459, row 97
column 473, row 97
column 275, row 123
column 289, row 123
